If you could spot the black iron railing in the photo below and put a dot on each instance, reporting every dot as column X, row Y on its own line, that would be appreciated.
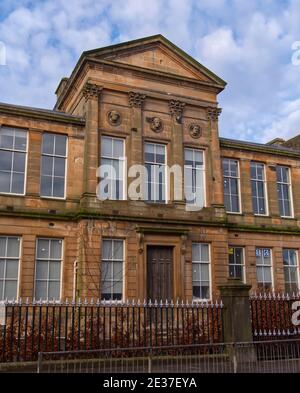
column 27, row 328
column 272, row 316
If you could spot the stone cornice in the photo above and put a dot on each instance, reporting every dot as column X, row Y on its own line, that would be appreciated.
column 41, row 114
column 152, row 74
column 78, row 215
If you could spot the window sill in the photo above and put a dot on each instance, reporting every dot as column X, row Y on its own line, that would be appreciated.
column 12, row 194
column 53, row 198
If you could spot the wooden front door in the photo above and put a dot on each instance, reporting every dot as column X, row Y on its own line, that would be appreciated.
column 159, row 273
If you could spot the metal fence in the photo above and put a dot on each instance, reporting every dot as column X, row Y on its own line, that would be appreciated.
column 29, row 328
column 257, row 357
column 271, row 316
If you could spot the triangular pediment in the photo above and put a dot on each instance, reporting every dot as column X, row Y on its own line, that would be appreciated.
column 156, row 53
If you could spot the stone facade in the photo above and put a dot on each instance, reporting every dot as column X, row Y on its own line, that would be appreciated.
column 121, row 91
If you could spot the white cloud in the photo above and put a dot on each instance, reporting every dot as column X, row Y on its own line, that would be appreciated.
column 246, row 43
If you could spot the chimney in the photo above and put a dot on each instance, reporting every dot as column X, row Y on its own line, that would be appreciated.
column 61, row 87
column 276, row 142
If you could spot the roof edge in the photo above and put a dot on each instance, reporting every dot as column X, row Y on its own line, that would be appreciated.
column 168, row 43
column 40, row 114
column 252, row 146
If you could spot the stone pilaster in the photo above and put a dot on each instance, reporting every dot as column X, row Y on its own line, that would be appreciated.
column 136, row 101
column 214, row 157
column 176, row 110
column 91, row 93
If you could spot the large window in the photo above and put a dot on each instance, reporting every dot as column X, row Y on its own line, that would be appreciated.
column 258, row 187
column 291, row 272
column 264, row 268
column 231, row 185
column 112, row 163
column 112, row 269
column 9, row 267
column 48, row 269
column 236, row 263
column 284, row 191
column 13, row 152
column 155, row 163
column 201, row 271
column 53, row 168
column 194, row 177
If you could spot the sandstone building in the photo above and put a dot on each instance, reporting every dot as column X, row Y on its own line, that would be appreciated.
column 151, row 103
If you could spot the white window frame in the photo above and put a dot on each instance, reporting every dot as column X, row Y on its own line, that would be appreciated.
column 26, row 159
column 261, row 265
column 195, row 300
column 19, row 265
column 289, row 184
column 61, row 269
column 160, row 165
column 123, row 269
column 203, row 171
column 264, row 181
column 55, row 156
column 243, row 265
column 238, row 178
column 123, row 160
column 297, row 266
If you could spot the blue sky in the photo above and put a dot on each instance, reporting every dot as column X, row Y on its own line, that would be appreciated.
column 247, row 43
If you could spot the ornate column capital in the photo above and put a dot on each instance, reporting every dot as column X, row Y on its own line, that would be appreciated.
column 213, row 113
column 91, row 90
column 176, row 109
column 136, row 100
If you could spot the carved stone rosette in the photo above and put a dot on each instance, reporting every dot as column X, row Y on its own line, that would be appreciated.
column 176, row 109
column 213, row 113
column 91, row 90
column 136, row 100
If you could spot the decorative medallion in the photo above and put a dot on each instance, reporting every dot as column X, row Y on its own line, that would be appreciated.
column 156, row 124
column 195, row 131
column 114, row 118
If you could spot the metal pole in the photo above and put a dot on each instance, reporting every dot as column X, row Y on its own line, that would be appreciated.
column 39, row 365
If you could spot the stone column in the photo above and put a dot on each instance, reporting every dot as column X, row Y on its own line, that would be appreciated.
column 236, row 314
column 214, row 157
column 176, row 111
column 91, row 93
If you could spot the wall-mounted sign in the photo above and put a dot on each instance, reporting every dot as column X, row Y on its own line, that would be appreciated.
column 296, row 314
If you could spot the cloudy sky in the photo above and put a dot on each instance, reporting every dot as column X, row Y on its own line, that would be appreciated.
column 247, row 43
